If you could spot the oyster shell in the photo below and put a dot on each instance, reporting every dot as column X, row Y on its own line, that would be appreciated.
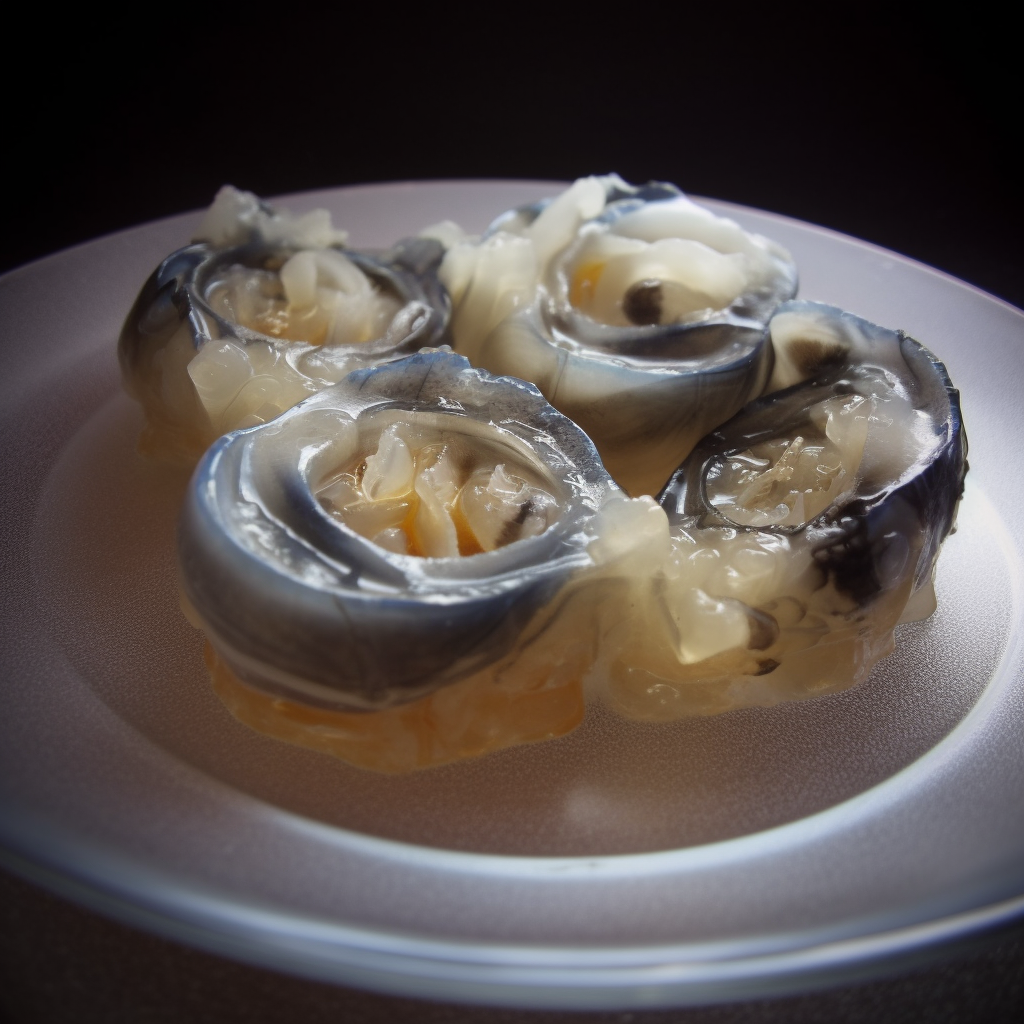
column 637, row 313
column 230, row 332
column 301, row 599
column 805, row 528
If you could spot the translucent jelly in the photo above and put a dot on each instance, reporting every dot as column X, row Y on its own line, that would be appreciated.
column 419, row 494
column 502, row 706
column 415, row 556
column 319, row 296
column 636, row 312
column 263, row 310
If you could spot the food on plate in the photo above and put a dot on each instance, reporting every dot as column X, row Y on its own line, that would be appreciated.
column 804, row 529
column 407, row 556
column 262, row 311
column 415, row 526
column 336, row 555
column 638, row 313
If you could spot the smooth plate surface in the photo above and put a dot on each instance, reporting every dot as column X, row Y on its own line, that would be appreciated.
column 762, row 851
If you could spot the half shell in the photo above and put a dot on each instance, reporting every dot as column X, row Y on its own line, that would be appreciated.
column 301, row 605
column 638, row 314
column 230, row 333
column 805, row 528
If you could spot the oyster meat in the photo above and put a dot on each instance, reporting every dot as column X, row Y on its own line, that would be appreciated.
column 405, row 556
column 638, row 313
column 266, row 310
column 401, row 543
column 803, row 530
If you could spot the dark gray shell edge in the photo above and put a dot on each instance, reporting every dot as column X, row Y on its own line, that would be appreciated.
column 336, row 621
column 175, row 291
column 850, row 539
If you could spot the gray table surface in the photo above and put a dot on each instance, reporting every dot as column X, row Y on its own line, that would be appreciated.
column 60, row 963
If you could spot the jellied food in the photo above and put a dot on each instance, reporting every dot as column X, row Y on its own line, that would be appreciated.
column 638, row 313
column 263, row 311
column 405, row 556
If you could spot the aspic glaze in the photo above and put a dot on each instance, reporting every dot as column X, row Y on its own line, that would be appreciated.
column 425, row 561
column 262, row 311
column 638, row 313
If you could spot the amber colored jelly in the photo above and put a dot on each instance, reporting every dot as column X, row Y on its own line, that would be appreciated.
column 475, row 716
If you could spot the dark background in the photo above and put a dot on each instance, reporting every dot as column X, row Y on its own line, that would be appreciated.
column 899, row 132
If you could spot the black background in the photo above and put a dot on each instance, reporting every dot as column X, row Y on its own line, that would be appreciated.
column 899, row 132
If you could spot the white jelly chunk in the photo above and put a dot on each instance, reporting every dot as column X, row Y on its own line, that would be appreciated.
column 235, row 216
column 501, row 507
column 423, row 487
column 390, row 470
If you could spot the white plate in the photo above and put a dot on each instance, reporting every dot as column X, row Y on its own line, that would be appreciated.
column 626, row 865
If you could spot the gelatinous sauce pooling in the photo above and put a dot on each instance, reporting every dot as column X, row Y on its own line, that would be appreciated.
column 502, row 706
column 424, row 561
